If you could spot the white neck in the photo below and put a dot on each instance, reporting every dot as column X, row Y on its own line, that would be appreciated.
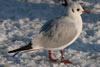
column 79, row 23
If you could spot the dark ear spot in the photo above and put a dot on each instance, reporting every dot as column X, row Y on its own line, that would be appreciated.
column 81, row 4
column 73, row 10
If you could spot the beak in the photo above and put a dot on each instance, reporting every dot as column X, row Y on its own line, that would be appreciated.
column 85, row 11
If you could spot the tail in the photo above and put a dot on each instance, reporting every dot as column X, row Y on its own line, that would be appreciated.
column 27, row 47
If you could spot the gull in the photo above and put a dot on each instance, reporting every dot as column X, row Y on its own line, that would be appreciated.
column 58, row 33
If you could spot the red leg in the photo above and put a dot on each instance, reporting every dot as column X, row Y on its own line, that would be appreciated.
column 50, row 57
column 62, row 59
column 62, row 54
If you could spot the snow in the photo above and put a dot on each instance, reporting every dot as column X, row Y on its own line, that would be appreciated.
column 21, row 20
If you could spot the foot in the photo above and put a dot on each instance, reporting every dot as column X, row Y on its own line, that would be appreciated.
column 54, row 60
column 65, row 61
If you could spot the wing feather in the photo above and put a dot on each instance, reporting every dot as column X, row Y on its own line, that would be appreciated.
column 57, row 33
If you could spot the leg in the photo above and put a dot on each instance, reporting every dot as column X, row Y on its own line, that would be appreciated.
column 62, row 59
column 50, row 57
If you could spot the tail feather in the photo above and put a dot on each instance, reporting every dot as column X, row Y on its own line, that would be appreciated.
column 27, row 47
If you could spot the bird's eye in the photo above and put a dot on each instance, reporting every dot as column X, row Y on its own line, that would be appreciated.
column 78, row 9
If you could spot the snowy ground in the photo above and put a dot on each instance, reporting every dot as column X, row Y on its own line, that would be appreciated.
column 20, row 21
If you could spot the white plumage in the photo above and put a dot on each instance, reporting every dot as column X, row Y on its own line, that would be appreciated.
column 61, row 32
column 58, row 33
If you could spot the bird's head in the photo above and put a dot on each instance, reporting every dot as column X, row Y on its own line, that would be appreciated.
column 75, row 8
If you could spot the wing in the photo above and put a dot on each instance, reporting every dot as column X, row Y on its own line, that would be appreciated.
column 57, row 34
column 48, row 25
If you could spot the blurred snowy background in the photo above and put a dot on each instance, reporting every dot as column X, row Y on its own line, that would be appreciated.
column 20, row 21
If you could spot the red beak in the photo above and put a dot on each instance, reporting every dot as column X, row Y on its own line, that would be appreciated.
column 85, row 12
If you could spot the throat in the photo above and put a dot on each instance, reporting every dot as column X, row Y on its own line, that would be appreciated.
column 79, row 25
